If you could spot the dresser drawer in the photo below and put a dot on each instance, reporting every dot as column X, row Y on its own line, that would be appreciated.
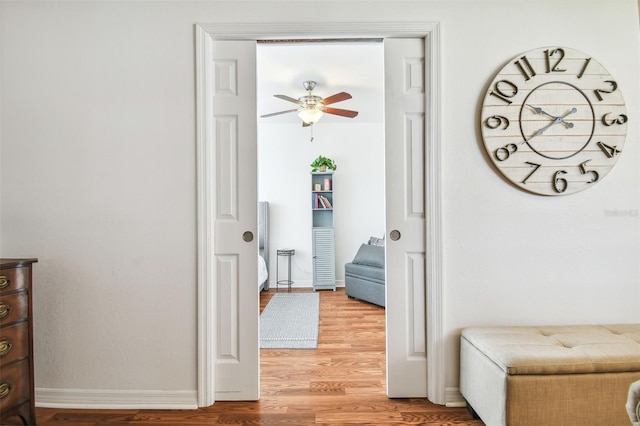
column 14, row 343
column 12, row 279
column 13, row 307
column 14, row 385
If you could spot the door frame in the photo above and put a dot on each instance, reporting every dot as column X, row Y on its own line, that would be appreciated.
column 205, row 33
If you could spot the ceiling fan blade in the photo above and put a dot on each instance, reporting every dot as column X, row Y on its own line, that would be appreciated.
column 342, row 112
column 278, row 113
column 288, row 98
column 338, row 97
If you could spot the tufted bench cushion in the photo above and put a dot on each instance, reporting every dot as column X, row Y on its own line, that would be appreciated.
column 550, row 375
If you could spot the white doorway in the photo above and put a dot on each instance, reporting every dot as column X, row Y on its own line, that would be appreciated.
column 208, row 336
column 285, row 149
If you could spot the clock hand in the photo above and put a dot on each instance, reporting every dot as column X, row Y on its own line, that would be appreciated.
column 567, row 124
column 539, row 110
column 573, row 111
column 542, row 130
column 556, row 121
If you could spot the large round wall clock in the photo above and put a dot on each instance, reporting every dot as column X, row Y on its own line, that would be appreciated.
column 553, row 121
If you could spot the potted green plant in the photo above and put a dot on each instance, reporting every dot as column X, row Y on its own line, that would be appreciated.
column 323, row 163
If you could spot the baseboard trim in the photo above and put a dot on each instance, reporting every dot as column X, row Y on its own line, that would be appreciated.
column 116, row 399
column 454, row 398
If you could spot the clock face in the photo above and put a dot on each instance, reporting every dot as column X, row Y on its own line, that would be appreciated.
column 553, row 121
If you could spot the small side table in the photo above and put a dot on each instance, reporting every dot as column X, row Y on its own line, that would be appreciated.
column 286, row 253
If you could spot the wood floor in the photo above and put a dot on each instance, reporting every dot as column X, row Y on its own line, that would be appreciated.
column 341, row 382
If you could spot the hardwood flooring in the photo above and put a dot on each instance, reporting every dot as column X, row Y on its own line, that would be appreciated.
column 341, row 382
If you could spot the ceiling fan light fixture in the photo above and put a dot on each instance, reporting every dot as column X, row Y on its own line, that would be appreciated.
column 311, row 107
column 310, row 115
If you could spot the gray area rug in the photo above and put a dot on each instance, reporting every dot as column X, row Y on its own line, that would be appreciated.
column 290, row 321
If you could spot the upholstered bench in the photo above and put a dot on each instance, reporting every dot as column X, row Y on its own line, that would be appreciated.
column 553, row 376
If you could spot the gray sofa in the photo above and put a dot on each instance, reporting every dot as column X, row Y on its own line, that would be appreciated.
column 364, row 276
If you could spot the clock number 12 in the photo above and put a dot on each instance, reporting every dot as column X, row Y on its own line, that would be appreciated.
column 548, row 54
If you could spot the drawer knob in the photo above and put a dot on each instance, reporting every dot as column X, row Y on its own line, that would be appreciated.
column 5, row 347
column 5, row 390
column 4, row 310
column 4, row 282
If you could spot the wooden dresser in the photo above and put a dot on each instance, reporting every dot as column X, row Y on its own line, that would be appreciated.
column 17, row 405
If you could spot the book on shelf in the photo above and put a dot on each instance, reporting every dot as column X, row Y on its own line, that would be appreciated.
column 321, row 202
column 325, row 202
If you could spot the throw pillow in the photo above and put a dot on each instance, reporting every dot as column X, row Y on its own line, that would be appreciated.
column 370, row 255
column 375, row 241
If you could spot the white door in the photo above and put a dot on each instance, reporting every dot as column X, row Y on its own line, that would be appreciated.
column 405, row 217
column 237, row 375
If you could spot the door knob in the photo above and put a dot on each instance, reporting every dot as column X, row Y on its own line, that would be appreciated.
column 394, row 235
column 247, row 236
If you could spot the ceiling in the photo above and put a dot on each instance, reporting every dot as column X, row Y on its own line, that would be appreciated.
column 355, row 67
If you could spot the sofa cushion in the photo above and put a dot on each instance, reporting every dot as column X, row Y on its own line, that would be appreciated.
column 365, row 289
column 370, row 255
column 371, row 273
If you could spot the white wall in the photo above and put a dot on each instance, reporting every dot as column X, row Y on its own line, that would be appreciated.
column 98, row 178
column 98, row 182
column 515, row 258
column 284, row 181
